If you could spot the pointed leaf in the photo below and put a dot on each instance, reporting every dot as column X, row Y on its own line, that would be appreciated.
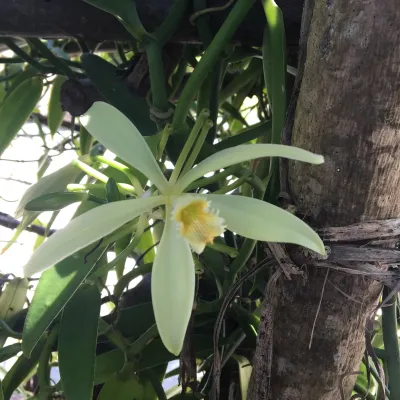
column 246, row 152
column 55, row 114
column 245, row 369
column 55, row 201
column 77, row 343
column 111, row 128
column 172, row 287
column 55, row 182
column 16, row 109
column 122, row 387
column 86, row 229
column 259, row 220
column 12, row 301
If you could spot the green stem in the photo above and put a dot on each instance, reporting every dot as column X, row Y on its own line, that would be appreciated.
column 223, row 248
column 215, row 178
column 197, row 147
column 249, row 74
column 124, row 169
column 43, row 371
column 201, row 119
column 238, row 183
column 113, row 335
column 157, row 76
column 210, row 57
column 171, row 24
column 128, row 250
column 390, row 340
column 58, row 63
column 245, row 136
column 139, row 344
column 26, row 57
column 130, row 276
column 124, row 188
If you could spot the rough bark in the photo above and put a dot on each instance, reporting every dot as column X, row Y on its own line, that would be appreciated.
column 72, row 18
column 348, row 110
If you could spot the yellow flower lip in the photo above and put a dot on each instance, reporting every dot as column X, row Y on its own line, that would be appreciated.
column 197, row 222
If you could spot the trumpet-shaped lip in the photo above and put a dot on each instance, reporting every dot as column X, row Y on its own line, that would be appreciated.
column 197, row 222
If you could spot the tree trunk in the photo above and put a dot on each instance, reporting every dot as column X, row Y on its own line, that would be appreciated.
column 348, row 109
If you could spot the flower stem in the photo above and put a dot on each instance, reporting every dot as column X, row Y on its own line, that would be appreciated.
column 197, row 147
column 210, row 57
column 201, row 119
column 124, row 169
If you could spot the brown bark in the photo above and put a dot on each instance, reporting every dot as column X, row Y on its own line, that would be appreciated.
column 348, row 110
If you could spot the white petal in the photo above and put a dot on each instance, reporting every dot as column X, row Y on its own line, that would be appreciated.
column 87, row 229
column 246, row 152
column 172, row 287
column 55, row 182
column 259, row 220
column 117, row 133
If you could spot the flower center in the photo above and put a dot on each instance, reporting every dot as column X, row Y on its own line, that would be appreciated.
column 197, row 222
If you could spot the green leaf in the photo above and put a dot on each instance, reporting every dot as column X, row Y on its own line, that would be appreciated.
column 146, row 242
column 55, row 288
column 77, row 343
column 21, row 370
column 115, row 91
column 16, row 109
column 1, row 391
column 122, row 386
column 259, row 220
column 134, row 321
column 126, row 141
column 55, row 114
column 87, row 229
column 245, row 369
column 85, row 141
column 125, row 11
column 112, row 192
column 55, row 182
column 245, row 152
column 12, row 301
column 54, row 201
column 9, row 351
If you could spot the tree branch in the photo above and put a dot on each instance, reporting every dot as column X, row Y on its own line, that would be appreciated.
column 10, row 222
column 75, row 18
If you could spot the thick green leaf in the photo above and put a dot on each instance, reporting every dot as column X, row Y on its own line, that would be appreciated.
column 110, row 84
column 122, row 386
column 77, row 343
column 55, row 114
column 1, row 391
column 9, row 351
column 125, row 11
column 245, row 369
column 55, row 182
column 56, row 286
column 21, row 370
column 12, row 301
column 16, row 109
column 54, row 201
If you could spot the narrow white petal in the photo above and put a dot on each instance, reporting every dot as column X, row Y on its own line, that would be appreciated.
column 117, row 133
column 257, row 219
column 172, row 287
column 246, row 152
column 87, row 229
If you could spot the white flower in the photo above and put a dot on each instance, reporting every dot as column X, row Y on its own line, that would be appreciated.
column 192, row 220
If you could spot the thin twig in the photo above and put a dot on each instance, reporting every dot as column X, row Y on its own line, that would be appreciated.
column 319, row 307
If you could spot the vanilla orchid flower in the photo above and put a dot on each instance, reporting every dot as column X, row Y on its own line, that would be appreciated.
column 191, row 220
